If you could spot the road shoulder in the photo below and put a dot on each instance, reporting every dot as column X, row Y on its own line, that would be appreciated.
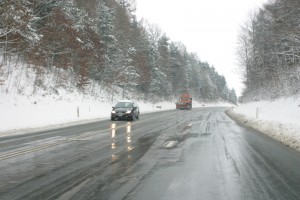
column 284, row 133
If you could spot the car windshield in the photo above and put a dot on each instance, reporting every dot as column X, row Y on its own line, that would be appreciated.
column 185, row 99
column 124, row 105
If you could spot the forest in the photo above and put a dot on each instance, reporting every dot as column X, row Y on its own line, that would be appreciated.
column 269, row 51
column 101, row 41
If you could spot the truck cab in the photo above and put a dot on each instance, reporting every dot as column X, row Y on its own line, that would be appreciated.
column 184, row 102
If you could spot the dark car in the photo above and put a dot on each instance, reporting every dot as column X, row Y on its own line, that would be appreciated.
column 128, row 110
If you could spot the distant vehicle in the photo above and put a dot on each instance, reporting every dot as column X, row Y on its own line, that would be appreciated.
column 128, row 110
column 184, row 102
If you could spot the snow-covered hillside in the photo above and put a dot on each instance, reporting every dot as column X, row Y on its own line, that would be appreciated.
column 30, row 100
column 279, row 119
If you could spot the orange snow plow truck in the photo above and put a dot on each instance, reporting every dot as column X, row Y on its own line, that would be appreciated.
column 184, row 102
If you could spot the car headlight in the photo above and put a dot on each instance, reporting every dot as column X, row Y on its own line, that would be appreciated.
column 128, row 111
column 113, row 111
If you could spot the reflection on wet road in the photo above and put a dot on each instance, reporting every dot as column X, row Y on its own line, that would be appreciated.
column 115, row 137
column 199, row 154
column 113, row 143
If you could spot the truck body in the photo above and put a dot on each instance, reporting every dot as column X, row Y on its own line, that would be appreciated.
column 184, row 102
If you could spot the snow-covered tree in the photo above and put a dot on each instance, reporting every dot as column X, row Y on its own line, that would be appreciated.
column 232, row 96
column 17, row 26
column 102, row 41
column 105, row 30
column 269, row 50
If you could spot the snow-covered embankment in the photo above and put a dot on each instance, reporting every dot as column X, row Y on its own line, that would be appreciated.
column 279, row 119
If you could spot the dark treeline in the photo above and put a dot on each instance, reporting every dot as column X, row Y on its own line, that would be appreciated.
column 101, row 40
column 269, row 50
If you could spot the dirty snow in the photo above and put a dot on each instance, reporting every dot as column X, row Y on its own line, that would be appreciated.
column 279, row 119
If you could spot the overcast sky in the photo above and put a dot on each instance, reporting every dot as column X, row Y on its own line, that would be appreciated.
column 207, row 27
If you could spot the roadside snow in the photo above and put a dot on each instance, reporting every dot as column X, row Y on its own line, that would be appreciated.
column 279, row 119
column 20, row 114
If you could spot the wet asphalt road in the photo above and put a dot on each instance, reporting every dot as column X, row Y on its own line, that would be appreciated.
column 198, row 154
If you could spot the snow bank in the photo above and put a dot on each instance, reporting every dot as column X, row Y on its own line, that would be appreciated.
column 279, row 119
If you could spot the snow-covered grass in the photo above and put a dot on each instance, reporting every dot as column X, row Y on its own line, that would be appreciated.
column 279, row 119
